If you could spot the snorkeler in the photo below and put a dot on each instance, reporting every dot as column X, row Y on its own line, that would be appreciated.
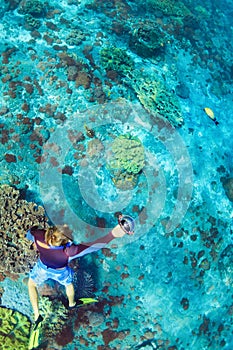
column 56, row 249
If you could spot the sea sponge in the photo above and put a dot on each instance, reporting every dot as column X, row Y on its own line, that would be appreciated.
column 16, row 217
column 15, row 329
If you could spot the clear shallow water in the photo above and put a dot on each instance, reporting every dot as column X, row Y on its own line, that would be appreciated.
column 170, row 285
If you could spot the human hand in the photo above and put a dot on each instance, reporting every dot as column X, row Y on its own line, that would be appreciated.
column 117, row 232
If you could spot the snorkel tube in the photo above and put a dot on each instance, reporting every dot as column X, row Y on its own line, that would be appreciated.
column 127, row 224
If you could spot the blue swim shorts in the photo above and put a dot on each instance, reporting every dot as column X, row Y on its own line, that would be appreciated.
column 40, row 273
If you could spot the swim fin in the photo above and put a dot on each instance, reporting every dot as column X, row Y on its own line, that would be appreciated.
column 35, row 334
column 83, row 301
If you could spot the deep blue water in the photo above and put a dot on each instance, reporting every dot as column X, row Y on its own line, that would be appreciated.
column 75, row 76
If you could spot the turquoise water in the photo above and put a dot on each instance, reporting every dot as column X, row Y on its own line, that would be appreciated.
column 75, row 76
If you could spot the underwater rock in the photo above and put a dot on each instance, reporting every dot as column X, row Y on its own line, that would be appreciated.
column 182, row 91
column 9, row 5
column 83, row 79
column 10, row 158
column 94, row 148
column 15, row 329
column 16, row 217
column 228, row 187
column 68, row 170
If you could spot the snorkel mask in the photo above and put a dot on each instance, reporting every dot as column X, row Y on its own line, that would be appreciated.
column 127, row 224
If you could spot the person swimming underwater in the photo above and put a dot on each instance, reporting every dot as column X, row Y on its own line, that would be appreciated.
column 56, row 250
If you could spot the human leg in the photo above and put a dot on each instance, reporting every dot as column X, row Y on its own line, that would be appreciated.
column 70, row 294
column 33, row 296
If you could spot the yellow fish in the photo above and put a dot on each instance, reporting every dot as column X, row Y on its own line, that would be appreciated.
column 210, row 114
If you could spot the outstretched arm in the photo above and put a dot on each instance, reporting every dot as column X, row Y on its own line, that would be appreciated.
column 76, row 251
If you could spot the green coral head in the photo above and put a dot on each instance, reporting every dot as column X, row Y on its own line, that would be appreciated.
column 128, row 154
column 114, row 58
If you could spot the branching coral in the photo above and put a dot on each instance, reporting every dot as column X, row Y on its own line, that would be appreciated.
column 55, row 316
column 16, row 217
column 15, row 329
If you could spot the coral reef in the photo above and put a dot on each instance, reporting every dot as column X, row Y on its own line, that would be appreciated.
column 17, row 216
column 128, row 154
column 155, row 97
column 169, row 7
column 31, row 23
column 35, row 8
column 147, row 39
column 126, row 161
column 15, row 329
column 75, row 37
column 116, row 59
column 55, row 316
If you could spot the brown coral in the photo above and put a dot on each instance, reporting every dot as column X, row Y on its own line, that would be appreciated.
column 16, row 217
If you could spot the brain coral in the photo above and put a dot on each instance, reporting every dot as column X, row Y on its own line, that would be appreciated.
column 15, row 329
column 16, row 217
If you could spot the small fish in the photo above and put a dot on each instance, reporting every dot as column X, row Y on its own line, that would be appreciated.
column 89, row 132
column 211, row 115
